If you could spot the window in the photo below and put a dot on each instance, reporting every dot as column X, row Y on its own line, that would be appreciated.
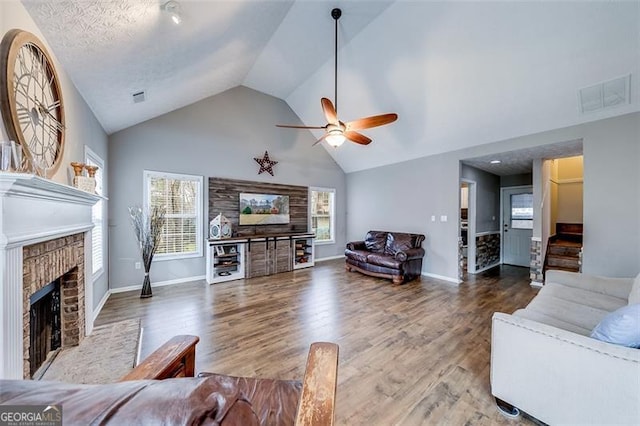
column 522, row 211
column 181, row 197
column 322, row 214
column 97, row 215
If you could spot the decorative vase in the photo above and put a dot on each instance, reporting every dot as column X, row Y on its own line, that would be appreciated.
column 146, row 287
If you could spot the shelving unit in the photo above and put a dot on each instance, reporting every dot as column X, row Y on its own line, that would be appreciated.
column 225, row 261
column 303, row 252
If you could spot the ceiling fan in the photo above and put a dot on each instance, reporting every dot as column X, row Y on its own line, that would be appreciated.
column 336, row 131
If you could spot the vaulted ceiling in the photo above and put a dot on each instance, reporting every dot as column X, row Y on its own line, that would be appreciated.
column 458, row 74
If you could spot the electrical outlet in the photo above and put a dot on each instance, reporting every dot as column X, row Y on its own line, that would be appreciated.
column 138, row 265
column 433, row 218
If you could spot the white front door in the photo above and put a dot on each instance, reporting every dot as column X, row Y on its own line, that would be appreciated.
column 517, row 225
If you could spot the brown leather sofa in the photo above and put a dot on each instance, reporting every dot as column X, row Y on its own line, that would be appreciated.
column 394, row 255
column 172, row 399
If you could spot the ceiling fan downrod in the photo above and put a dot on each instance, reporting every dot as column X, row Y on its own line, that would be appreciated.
column 335, row 14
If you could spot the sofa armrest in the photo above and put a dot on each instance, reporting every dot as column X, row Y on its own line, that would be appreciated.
column 560, row 377
column 356, row 245
column 317, row 399
column 414, row 253
column 617, row 287
column 176, row 358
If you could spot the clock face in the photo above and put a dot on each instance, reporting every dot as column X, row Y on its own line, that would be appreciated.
column 31, row 100
column 214, row 231
column 226, row 230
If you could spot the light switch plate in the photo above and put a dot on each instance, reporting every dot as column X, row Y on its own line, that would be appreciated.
column 443, row 218
column 433, row 218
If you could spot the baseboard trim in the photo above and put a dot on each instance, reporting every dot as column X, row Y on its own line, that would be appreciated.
column 324, row 259
column 455, row 281
column 98, row 308
column 158, row 284
column 536, row 284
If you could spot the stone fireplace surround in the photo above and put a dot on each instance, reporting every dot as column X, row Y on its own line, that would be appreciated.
column 44, row 233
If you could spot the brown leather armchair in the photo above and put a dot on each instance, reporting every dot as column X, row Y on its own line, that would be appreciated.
column 394, row 255
column 157, row 392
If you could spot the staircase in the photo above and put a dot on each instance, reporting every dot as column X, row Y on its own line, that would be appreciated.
column 563, row 249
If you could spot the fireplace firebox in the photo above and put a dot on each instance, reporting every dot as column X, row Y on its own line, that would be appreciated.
column 45, row 324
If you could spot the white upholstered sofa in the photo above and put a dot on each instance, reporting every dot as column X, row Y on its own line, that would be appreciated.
column 544, row 362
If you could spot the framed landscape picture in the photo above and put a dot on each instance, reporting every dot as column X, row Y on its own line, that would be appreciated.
column 264, row 209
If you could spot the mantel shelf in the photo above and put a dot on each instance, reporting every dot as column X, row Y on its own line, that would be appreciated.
column 32, row 186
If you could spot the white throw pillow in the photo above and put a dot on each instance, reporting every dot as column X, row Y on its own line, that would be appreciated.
column 620, row 327
column 634, row 294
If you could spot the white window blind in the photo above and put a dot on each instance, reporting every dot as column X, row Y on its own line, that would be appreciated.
column 322, row 214
column 181, row 198
column 522, row 211
column 97, row 215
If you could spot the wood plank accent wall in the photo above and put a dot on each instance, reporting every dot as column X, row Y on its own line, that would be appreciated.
column 224, row 197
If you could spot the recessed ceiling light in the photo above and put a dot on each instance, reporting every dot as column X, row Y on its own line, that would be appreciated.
column 495, row 161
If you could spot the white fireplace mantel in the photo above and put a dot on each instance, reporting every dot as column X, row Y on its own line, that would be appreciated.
column 33, row 210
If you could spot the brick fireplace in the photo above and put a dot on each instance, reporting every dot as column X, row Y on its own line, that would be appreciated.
column 59, row 259
column 44, row 239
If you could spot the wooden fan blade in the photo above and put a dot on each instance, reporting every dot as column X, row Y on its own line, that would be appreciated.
column 321, row 139
column 374, row 121
column 329, row 111
column 357, row 137
column 299, row 127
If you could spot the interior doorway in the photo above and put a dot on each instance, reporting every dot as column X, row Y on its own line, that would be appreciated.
column 517, row 225
column 467, row 220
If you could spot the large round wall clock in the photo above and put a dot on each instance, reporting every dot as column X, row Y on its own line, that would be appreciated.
column 31, row 100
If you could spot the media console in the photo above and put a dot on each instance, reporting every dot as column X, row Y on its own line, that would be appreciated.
column 252, row 256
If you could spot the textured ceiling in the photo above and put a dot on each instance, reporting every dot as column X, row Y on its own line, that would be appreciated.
column 114, row 48
column 459, row 74
column 521, row 161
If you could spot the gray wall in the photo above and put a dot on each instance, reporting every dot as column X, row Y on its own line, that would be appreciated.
column 216, row 137
column 522, row 179
column 82, row 127
column 487, row 198
column 403, row 196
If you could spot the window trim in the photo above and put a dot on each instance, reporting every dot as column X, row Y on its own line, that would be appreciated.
column 332, row 214
column 90, row 155
column 161, row 257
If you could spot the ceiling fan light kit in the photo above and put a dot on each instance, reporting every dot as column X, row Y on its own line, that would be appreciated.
column 336, row 131
column 335, row 137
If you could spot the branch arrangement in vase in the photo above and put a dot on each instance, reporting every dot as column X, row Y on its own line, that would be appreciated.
column 148, row 228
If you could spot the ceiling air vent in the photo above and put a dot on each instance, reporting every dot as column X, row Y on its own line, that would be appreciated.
column 138, row 97
column 605, row 95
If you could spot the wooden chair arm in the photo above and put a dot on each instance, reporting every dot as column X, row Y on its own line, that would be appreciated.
column 176, row 358
column 317, row 400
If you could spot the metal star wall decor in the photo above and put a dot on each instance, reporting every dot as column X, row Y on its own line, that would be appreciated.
column 266, row 164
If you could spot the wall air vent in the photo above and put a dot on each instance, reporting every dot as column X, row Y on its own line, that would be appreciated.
column 138, row 97
column 605, row 95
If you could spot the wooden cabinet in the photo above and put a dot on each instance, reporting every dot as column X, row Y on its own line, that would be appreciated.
column 267, row 256
column 257, row 256
column 225, row 261
column 281, row 255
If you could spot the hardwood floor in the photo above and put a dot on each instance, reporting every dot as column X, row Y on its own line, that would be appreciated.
column 412, row 354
